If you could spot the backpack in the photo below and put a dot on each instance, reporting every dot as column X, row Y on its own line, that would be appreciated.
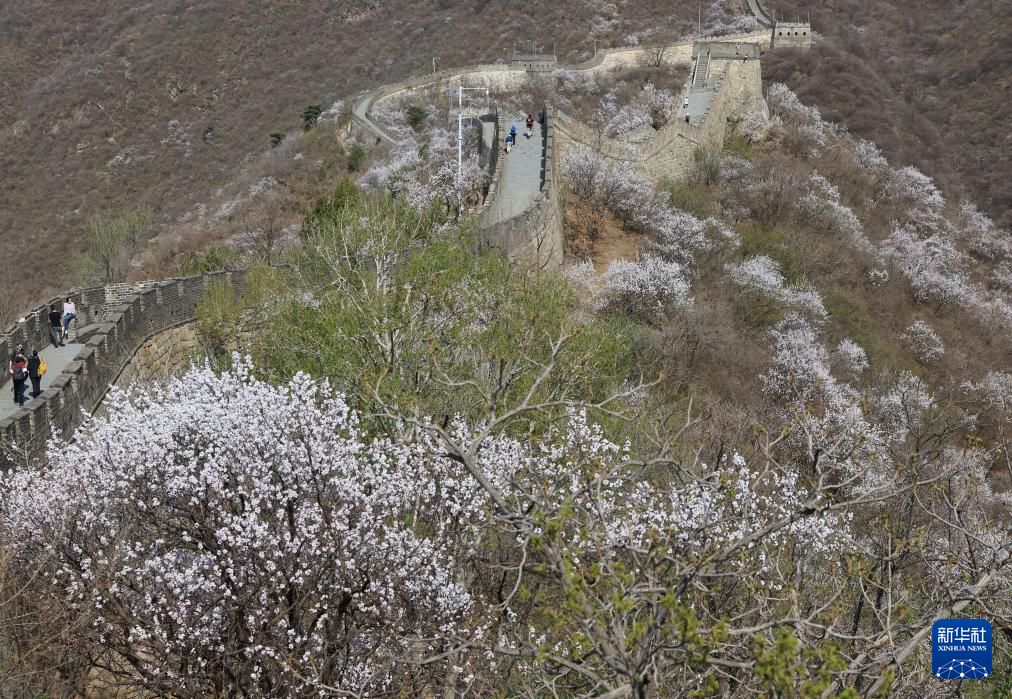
column 19, row 372
column 42, row 368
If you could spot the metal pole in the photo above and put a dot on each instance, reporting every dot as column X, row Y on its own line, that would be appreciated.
column 460, row 135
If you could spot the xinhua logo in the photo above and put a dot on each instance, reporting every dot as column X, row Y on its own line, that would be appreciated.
column 961, row 649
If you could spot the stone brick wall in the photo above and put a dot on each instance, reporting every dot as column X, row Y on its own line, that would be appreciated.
column 538, row 63
column 670, row 151
column 534, row 238
column 164, row 355
column 127, row 316
column 503, row 76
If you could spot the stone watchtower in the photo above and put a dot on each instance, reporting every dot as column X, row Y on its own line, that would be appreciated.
column 782, row 34
column 792, row 35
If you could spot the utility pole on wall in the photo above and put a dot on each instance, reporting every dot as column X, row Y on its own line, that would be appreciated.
column 434, row 59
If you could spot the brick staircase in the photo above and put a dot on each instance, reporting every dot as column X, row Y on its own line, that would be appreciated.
column 702, row 69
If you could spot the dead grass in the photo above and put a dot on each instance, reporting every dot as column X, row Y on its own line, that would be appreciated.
column 595, row 235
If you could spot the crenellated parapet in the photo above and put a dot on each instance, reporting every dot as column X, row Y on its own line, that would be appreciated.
column 120, row 318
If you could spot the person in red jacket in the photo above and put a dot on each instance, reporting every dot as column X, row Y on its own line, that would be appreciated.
column 19, row 374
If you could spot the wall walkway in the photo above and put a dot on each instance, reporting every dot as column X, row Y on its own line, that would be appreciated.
column 521, row 196
column 123, row 317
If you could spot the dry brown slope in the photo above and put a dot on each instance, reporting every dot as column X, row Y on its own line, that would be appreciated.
column 110, row 104
column 930, row 82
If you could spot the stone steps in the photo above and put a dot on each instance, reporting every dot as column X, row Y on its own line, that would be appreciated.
column 702, row 69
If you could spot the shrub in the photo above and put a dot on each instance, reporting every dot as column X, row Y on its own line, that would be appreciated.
column 311, row 115
column 647, row 288
column 327, row 209
column 416, row 115
column 113, row 241
column 705, row 166
column 276, row 138
column 921, row 339
column 761, row 240
column 217, row 258
column 356, row 158
column 739, row 147
column 687, row 197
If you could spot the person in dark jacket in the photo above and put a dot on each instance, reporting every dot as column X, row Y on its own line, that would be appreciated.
column 530, row 125
column 55, row 326
column 33, row 373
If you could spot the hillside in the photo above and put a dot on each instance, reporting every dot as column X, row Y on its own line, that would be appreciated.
column 930, row 85
column 114, row 105
column 685, row 389
column 109, row 106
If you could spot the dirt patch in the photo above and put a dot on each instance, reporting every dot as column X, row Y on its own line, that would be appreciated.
column 596, row 235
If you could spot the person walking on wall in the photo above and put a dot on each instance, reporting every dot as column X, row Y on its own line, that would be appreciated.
column 530, row 125
column 19, row 373
column 69, row 314
column 509, row 142
column 36, row 370
column 513, row 133
column 55, row 326
column 17, row 357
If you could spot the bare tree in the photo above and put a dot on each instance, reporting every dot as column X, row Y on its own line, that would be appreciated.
column 12, row 296
column 654, row 56
column 261, row 223
column 113, row 242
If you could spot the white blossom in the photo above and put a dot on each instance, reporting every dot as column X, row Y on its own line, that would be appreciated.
column 851, row 356
column 648, row 287
column 923, row 341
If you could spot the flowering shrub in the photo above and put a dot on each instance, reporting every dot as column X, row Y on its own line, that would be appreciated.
column 995, row 390
column 869, row 157
column 428, row 172
column 982, row 235
column 851, row 356
column 904, row 406
column 933, row 265
column 680, row 236
column 222, row 517
column 805, row 132
column 912, row 187
column 1001, row 276
column 801, row 364
column 232, row 537
column 612, row 184
column 761, row 275
column 754, row 126
column 648, row 288
column 923, row 341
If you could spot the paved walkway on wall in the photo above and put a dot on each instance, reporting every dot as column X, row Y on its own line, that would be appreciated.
column 521, row 176
column 699, row 101
column 57, row 359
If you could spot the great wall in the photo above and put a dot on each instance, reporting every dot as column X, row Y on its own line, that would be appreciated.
column 726, row 80
column 134, row 331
